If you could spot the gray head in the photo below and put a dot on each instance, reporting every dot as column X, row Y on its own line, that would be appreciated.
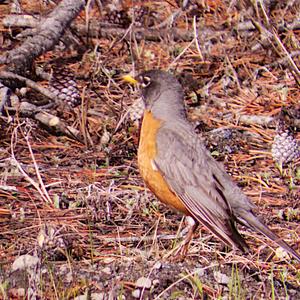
column 162, row 93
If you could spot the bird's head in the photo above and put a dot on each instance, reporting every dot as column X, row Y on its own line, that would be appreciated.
column 161, row 92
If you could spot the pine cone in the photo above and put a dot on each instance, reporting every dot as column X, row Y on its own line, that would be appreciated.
column 136, row 110
column 143, row 16
column 63, row 85
column 285, row 147
column 118, row 17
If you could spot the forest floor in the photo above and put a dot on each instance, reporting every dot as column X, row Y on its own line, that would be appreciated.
column 79, row 213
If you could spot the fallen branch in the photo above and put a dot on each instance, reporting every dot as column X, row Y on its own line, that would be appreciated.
column 5, row 75
column 49, row 31
column 49, row 120
column 263, row 120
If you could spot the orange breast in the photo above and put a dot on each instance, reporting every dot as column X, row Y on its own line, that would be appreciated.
column 146, row 154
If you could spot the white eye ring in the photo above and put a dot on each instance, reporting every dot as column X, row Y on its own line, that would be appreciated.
column 145, row 81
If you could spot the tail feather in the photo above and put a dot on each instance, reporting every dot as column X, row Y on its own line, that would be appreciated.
column 256, row 224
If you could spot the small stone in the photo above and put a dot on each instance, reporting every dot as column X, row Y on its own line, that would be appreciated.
column 221, row 278
column 23, row 91
column 155, row 282
column 144, row 282
column 136, row 293
column 157, row 265
column 106, row 270
column 25, row 262
column 281, row 253
column 200, row 272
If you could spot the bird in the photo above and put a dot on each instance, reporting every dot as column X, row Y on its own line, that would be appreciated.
column 176, row 166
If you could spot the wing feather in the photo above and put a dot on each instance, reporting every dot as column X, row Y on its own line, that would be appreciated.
column 192, row 175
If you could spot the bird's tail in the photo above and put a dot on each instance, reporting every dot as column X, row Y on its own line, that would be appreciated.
column 256, row 224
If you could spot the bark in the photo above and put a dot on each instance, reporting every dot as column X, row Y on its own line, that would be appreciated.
column 48, row 33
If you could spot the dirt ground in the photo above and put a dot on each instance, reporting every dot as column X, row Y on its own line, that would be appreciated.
column 78, row 212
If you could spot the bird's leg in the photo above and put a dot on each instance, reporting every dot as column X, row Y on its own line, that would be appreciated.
column 182, row 251
column 192, row 225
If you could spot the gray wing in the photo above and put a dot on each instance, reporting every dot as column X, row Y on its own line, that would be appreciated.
column 195, row 177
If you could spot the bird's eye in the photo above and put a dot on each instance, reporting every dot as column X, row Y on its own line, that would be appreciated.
column 145, row 81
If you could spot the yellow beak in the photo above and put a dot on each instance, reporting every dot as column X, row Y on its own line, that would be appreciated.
column 128, row 78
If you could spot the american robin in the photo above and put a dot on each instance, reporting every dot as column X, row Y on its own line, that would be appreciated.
column 178, row 169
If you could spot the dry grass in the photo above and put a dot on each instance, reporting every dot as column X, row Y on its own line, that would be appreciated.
column 83, row 208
